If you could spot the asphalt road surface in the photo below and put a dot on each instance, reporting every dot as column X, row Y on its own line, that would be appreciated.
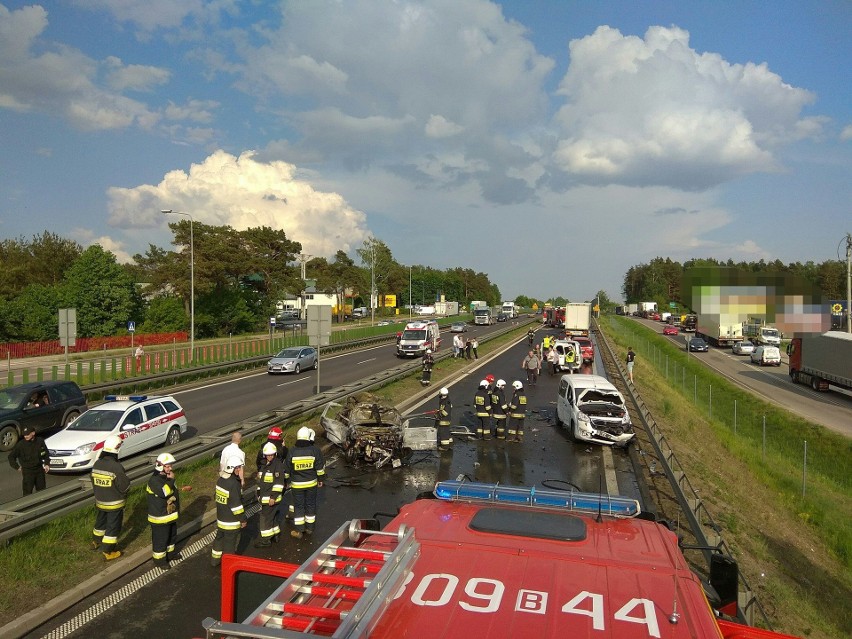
column 148, row 604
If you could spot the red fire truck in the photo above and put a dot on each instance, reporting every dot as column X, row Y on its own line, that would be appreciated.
column 484, row 560
column 555, row 317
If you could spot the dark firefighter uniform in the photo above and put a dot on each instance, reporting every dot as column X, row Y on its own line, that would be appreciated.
column 517, row 414
column 427, row 363
column 230, row 516
column 270, row 482
column 163, row 509
column 498, row 412
column 482, row 406
column 32, row 458
column 444, row 416
column 282, row 455
column 304, row 470
column 111, row 486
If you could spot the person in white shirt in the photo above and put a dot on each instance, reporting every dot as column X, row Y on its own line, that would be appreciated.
column 233, row 450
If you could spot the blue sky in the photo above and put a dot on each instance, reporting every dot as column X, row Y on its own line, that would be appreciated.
column 551, row 144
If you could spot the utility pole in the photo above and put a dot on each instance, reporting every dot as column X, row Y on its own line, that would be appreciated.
column 373, row 282
column 849, row 282
column 303, row 259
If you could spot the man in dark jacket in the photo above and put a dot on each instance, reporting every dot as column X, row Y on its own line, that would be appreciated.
column 270, row 484
column 163, row 510
column 284, row 509
column 305, row 469
column 230, row 512
column 111, row 485
column 31, row 458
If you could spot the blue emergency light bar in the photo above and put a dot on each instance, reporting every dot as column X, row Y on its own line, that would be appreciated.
column 569, row 500
column 125, row 398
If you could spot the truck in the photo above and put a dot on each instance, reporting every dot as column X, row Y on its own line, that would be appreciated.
column 578, row 318
column 554, row 317
column 483, row 317
column 475, row 305
column 688, row 322
column 474, row 559
column 758, row 332
column 822, row 359
column 719, row 329
column 632, row 309
column 647, row 309
column 445, row 309
column 510, row 309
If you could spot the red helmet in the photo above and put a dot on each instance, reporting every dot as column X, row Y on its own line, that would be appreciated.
column 275, row 433
column 489, row 379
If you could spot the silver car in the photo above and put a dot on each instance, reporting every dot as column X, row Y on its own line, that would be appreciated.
column 293, row 360
column 743, row 348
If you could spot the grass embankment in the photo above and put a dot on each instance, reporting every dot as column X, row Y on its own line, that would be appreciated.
column 43, row 563
column 795, row 550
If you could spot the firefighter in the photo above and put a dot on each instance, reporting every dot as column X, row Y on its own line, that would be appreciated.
column 305, row 469
column 444, row 416
column 428, row 362
column 230, row 512
column 163, row 510
column 517, row 412
column 270, row 481
column 111, row 485
column 276, row 436
column 498, row 409
column 482, row 405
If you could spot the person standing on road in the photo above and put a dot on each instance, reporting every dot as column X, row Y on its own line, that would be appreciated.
column 532, row 365
column 498, row 409
column 444, row 417
column 468, row 350
column 31, row 458
column 230, row 512
column 271, row 483
column 553, row 361
column 458, row 345
column 111, row 485
column 163, row 510
column 233, row 450
column 305, row 470
column 517, row 412
column 276, row 436
column 482, row 406
column 474, row 345
column 631, row 358
column 427, row 363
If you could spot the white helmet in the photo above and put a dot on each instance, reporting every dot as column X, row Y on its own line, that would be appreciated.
column 483, row 383
column 269, row 449
column 164, row 459
column 232, row 464
column 444, row 392
column 306, row 434
column 501, row 383
column 428, row 351
column 517, row 385
column 112, row 444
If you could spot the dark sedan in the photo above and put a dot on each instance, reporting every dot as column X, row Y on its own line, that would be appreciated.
column 698, row 345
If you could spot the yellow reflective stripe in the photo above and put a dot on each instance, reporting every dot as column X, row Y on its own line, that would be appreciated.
column 110, row 505
column 228, row 525
column 304, row 484
column 165, row 519
column 238, row 510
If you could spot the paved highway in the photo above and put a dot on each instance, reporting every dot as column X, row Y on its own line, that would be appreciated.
column 147, row 603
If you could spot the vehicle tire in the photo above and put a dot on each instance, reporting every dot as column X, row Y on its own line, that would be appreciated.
column 298, row 369
column 815, row 382
column 8, row 437
column 316, row 364
column 794, row 376
column 70, row 417
column 173, row 437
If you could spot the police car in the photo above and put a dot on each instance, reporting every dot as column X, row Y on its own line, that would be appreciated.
column 141, row 421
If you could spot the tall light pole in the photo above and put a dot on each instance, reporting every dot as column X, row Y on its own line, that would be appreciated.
column 191, row 281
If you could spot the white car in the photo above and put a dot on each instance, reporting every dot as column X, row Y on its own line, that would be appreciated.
column 742, row 348
column 142, row 422
column 766, row 356
column 593, row 410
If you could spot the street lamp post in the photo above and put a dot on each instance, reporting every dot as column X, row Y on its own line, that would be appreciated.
column 191, row 281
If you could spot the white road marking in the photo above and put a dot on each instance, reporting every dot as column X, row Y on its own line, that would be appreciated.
column 294, row 381
column 609, row 471
column 372, row 359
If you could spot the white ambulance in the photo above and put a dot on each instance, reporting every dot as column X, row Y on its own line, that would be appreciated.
column 417, row 337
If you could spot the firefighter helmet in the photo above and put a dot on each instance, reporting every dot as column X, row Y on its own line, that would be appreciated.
column 269, row 449
column 164, row 459
column 489, row 378
column 501, row 383
column 428, row 351
column 306, row 434
column 232, row 464
column 275, row 434
column 517, row 385
column 112, row 444
column 444, row 392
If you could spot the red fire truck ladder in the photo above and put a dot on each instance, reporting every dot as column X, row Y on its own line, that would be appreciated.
column 340, row 591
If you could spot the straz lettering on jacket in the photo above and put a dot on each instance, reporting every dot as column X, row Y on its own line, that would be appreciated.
column 483, row 595
column 303, row 463
column 103, row 478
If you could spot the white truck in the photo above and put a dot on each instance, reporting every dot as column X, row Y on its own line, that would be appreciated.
column 632, row 309
column 758, row 332
column 719, row 329
column 578, row 318
column 510, row 309
column 483, row 317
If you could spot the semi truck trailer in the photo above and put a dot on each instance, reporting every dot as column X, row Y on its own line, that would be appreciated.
column 821, row 360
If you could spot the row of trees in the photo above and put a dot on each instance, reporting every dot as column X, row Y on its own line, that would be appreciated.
column 660, row 280
column 239, row 277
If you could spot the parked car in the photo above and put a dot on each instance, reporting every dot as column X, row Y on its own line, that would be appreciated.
column 697, row 345
column 458, row 327
column 766, row 356
column 670, row 329
column 586, row 348
column 43, row 405
column 141, row 421
column 293, row 360
column 593, row 410
column 743, row 348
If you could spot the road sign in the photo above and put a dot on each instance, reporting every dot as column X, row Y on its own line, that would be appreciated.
column 319, row 325
column 272, row 321
column 67, row 327
column 131, row 327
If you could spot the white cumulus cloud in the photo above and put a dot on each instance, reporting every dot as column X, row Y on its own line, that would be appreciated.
column 242, row 192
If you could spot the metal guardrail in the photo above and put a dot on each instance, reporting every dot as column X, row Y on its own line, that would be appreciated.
column 708, row 535
column 28, row 513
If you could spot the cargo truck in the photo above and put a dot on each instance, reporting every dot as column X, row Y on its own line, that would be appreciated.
column 632, row 309
column 475, row 305
column 719, row 330
column 758, row 332
column 510, row 309
column 577, row 318
column 483, row 317
column 688, row 323
column 822, row 359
